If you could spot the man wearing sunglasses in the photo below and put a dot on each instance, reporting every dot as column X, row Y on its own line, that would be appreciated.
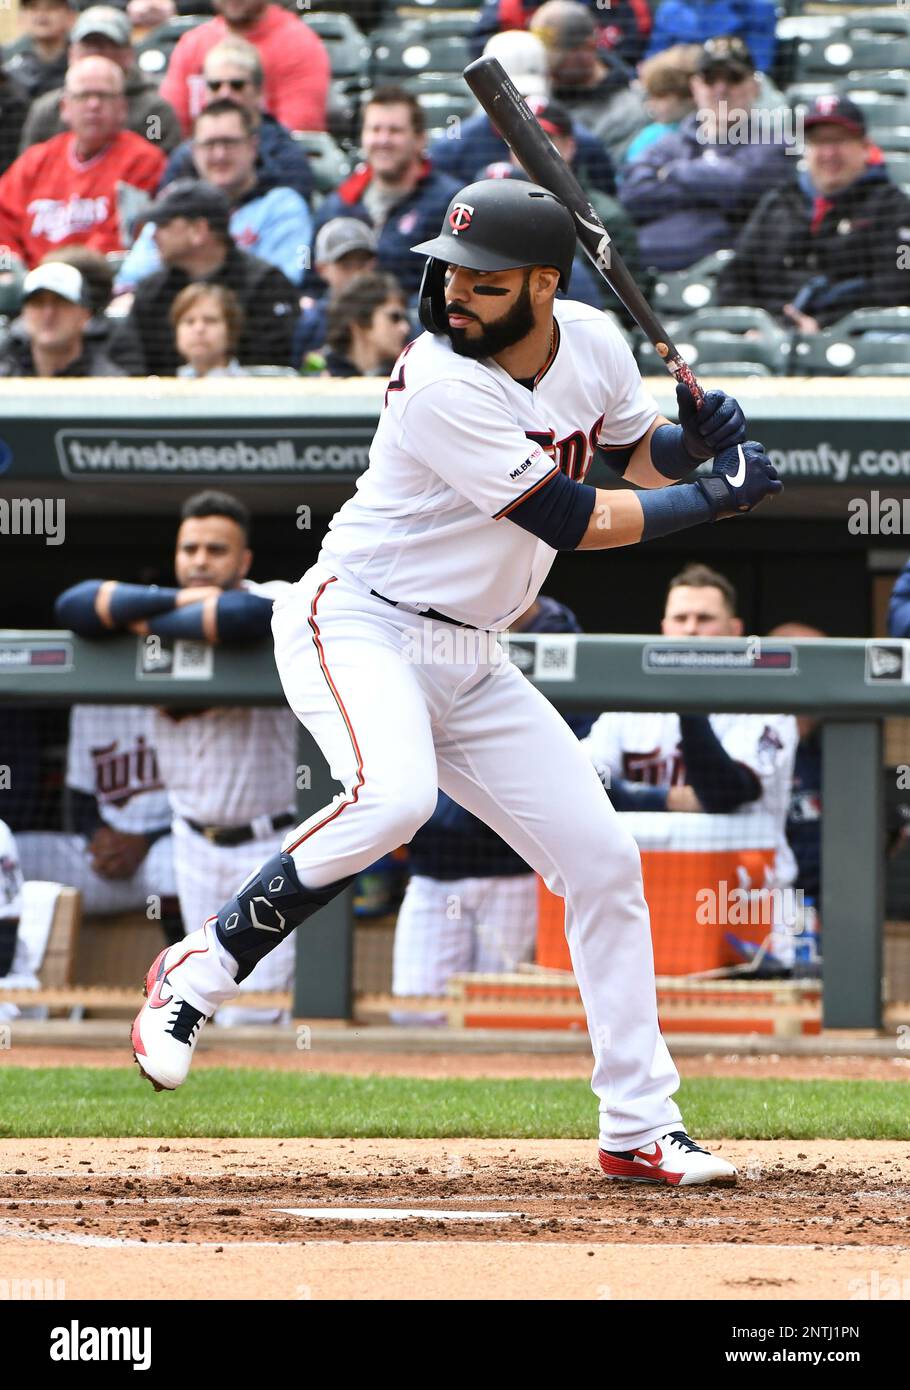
column 233, row 71
column 104, row 32
column 295, row 62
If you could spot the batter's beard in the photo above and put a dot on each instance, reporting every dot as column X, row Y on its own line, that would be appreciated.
column 502, row 333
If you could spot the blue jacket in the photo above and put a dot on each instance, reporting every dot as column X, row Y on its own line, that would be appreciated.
column 418, row 217
column 282, row 163
column 480, row 144
column 690, row 199
column 696, row 21
column 453, row 843
column 275, row 224
column 899, row 607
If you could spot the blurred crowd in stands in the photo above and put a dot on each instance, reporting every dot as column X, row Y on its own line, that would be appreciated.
column 233, row 186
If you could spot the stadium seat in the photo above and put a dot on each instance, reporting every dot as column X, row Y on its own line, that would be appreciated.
column 348, row 48
column 414, row 50
column 858, row 323
column 898, row 166
column 718, row 345
column 835, row 354
column 827, row 46
column 683, row 291
column 328, row 162
column 153, row 53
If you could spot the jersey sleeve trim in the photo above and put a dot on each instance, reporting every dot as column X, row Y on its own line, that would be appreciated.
column 528, row 492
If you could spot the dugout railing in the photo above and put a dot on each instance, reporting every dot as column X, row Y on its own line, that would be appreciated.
column 852, row 685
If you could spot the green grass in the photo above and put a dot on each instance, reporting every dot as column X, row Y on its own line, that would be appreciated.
column 222, row 1103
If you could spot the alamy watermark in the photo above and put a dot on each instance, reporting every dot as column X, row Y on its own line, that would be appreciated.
column 750, row 125
column 34, row 516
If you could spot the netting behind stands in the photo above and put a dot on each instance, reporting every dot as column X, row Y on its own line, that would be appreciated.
column 455, row 927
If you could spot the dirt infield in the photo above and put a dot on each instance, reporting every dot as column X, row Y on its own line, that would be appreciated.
column 365, row 1219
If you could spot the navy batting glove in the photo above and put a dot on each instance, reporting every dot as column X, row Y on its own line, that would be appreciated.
column 720, row 424
column 740, row 479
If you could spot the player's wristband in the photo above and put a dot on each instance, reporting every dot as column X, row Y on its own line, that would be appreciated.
column 670, row 509
column 669, row 455
column 130, row 602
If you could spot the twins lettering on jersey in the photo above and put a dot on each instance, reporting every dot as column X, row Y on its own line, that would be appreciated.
column 57, row 219
column 655, row 769
column 120, row 774
column 574, row 453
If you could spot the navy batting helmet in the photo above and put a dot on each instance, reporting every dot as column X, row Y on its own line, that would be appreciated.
column 496, row 224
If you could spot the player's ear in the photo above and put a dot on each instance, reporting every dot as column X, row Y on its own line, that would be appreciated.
column 544, row 282
column 737, row 627
column 246, row 561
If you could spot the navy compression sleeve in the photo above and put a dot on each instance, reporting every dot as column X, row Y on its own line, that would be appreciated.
column 557, row 514
column 239, row 617
column 720, row 783
column 75, row 609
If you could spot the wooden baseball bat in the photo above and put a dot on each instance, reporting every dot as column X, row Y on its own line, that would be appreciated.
column 518, row 125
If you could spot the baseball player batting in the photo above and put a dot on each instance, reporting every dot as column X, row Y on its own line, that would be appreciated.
column 475, row 481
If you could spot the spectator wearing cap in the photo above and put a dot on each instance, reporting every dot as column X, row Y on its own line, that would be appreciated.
column 826, row 242
column 623, row 26
column 479, row 143
column 696, row 21
column 667, row 82
column 591, row 82
column 294, row 60
column 207, row 322
column 37, row 59
column 692, row 191
column 233, row 70
column 368, row 326
column 273, row 223
column 192, row 233
column 49, row 338
column 344, row 249
column 396, row 191
column 584, row 285
column 101, row 31
column 71, row 188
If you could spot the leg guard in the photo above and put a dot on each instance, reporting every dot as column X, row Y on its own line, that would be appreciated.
column 267, row 908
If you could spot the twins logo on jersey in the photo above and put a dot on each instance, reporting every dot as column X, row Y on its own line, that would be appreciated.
column 655, row 768
column 58, row 219
column 574, row 453
column 10, row 880
column 122, row 774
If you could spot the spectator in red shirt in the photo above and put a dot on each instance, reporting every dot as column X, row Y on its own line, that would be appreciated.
column 68, row 189
column 294, row 60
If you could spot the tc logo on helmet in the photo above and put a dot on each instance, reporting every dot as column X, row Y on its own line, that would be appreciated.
column 460, row 217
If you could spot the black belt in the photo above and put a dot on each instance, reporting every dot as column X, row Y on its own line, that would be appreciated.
column 237, row 834
column 427, row 612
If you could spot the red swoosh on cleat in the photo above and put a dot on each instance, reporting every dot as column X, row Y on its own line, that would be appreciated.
column 654, row 1158
column 156, row 1000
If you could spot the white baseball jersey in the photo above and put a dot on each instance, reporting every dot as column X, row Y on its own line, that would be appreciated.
column 226, row 766
column 647, row 748
column 111, row 756
column 10, row 875
column 459, row 445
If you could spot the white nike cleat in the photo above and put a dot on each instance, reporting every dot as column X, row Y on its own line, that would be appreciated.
column 167, row 1027
column 673, row 1158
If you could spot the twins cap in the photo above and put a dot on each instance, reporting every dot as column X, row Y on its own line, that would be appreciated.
column 57, row 277
column 340, row 236
column 105, row 20
column 551, row 116
column 835, row 110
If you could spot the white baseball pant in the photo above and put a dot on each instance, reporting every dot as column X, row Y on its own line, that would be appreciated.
column 60, row 858
column 400, row 705
column 448, row 926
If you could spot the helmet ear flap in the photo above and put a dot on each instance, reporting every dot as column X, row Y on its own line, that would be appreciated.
column 431, row 299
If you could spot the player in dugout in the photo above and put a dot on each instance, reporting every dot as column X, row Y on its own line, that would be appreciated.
column 229, row 772
column 387, row 647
